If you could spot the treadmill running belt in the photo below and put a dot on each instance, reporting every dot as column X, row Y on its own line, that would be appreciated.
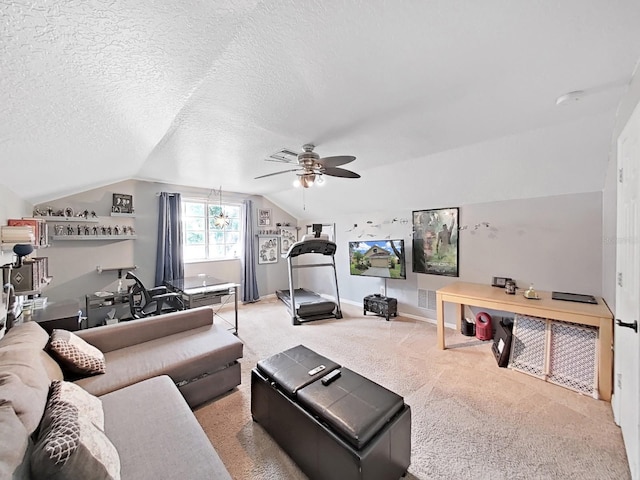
column 308, row 303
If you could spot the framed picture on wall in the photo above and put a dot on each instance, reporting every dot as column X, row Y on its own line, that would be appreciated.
column 288, row 236
column 264, row 217
column 122, row 203
column 435, row 241
column 267, row 249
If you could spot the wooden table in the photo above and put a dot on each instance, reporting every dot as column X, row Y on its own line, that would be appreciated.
column 485, row 296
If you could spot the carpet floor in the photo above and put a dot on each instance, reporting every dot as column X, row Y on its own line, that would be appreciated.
column 470, row 418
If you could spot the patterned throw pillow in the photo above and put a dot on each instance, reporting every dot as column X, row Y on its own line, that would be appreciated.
column 89, row 406
column 75, row 354
column 73, row 447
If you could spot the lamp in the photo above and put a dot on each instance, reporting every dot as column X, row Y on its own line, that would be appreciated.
column 306, row 180
column 22, row 250
column 221, row 220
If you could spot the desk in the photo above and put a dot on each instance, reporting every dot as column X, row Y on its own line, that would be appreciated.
column 485, row 296
column 65, row 314
column 206, row 290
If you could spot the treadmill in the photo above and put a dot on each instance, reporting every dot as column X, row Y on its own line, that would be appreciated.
column 306, row 305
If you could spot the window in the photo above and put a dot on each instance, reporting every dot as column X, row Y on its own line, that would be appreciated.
column 202, row 239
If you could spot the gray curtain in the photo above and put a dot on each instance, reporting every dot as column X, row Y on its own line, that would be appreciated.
column 169, row 258
column 249, row 282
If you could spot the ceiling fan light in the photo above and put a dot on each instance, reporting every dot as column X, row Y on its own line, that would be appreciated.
column 296, row 183
column 307, row 180
column 320, row 181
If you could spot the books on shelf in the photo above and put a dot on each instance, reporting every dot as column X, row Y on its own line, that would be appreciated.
column 26, row 230
column 17, row 234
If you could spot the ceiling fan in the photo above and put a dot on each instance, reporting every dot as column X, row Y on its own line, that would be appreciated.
column 311, row 167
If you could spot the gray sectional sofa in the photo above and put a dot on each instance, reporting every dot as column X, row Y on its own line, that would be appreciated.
column 157, row 369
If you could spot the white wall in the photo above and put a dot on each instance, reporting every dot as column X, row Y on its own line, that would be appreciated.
column 553, row 242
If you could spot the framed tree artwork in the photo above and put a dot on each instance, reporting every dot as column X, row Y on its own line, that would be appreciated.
column 267, row 249
column 435, row 241
column 288, row 236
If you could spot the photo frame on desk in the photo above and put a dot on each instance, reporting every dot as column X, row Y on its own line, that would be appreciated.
column 264, row 217
column 122, row 203
column 267, row 249
column 435, row 241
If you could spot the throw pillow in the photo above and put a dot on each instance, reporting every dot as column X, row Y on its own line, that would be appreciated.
column 75, row 354
column 88, row 405
column 72, row 447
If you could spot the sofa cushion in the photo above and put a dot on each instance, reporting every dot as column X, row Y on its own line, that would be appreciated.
column 75, row 354
column 25, row 384
column 182, row 356
column 54, row 372
column 166, row 449
column 73, row 447
column 29, row 334
column 14, row 443
column 88, row 406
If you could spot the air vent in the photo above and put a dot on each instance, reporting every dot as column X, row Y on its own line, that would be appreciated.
column 427, row 299
column 285, row 155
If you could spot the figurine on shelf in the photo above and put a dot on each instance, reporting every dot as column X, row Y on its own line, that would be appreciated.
column 49, row 211
column 69, row 230
column 59, row 229
column 93, row 214
column 94, row 230
column 109, row 230
column 87, row 230
column 79, row 230
column 104, row 230
column 116, row 230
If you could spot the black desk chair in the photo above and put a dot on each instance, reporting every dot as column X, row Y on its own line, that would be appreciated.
column 154, row 301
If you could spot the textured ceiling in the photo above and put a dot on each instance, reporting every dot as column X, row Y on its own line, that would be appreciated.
column 442, row 102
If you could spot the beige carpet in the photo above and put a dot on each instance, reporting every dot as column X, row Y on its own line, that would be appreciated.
column 470, row 418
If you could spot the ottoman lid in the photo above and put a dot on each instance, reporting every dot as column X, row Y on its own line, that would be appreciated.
column 353, row 406
column 290, row 369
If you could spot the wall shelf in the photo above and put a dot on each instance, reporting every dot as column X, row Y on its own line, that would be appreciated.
column 101, row 269
column 69, row 220
column 93, row 237
column 128, row 215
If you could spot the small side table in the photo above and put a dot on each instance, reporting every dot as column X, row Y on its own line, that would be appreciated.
column 383, row 306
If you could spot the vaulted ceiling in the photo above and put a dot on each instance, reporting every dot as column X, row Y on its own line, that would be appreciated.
column 442, row 102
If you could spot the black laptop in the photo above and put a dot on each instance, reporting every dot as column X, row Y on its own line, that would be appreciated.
column 574, row 297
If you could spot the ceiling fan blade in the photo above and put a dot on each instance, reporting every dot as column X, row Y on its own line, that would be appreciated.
column 330, row 162
column 339, row 172
column 278, row 173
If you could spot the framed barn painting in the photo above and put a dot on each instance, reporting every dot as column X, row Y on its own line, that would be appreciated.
column 435, row 241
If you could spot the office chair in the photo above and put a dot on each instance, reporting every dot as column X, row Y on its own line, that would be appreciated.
column 154, row 301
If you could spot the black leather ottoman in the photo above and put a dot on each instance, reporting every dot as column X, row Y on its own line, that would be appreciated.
column 351, row 428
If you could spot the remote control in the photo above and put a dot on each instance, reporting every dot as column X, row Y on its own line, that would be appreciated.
column 330, row 377
column 318, row 369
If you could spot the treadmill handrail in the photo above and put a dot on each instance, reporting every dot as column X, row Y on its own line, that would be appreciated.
column 315, row 245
